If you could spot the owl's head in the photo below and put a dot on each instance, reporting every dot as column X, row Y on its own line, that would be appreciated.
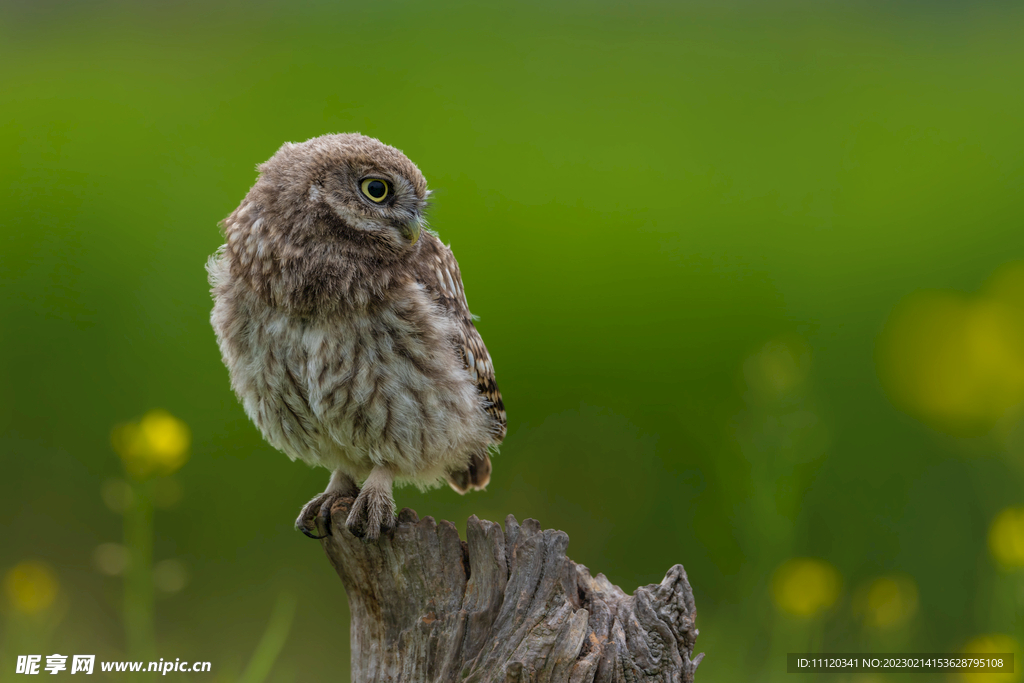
column 353, row 185
column 331, row 219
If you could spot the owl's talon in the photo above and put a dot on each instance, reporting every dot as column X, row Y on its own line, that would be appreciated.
column 306, row 522
column 310, row 534
column 315, row 518
column 370, row 516
column 324, row 518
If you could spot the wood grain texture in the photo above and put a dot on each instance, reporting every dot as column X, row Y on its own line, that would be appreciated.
column 504, row 605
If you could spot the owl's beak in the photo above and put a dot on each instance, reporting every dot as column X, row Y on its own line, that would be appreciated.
column 411, row 230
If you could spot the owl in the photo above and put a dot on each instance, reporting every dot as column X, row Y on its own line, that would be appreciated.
column 344, row 326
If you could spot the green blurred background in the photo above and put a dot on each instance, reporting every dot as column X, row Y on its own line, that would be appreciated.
column 747, row 272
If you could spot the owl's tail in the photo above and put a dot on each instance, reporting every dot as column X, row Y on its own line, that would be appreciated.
column 474, row 477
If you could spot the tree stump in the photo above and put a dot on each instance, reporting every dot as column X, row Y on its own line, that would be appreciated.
column 503, row 606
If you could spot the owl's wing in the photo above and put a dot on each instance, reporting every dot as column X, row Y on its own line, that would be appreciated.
column 439, row 274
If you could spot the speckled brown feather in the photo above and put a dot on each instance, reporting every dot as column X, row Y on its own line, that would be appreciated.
column 439, row 272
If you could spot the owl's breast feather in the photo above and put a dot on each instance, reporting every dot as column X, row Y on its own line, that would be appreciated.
column 357, row 387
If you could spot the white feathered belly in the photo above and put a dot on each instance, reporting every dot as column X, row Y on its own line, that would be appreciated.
column 356, row 389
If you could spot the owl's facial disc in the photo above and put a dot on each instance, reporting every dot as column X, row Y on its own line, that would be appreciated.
column 379, row 191
column 373, row 201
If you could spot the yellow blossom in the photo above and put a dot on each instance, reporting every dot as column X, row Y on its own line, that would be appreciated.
column 1006, row 538
column 957, row 361
column 804, row 586
column 156, row 444
column 887, row 601
column 31, row 586
column 170, row 576
column 111, row 558
column 993, row 643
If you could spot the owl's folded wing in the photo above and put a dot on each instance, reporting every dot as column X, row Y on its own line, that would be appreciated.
column 439, row 274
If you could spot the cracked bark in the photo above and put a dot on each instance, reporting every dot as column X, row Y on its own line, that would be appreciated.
column 504, row 605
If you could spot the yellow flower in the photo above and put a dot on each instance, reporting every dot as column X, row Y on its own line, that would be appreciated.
column 111, row 558
column 31, row 586
column 956, row 361
column 804, row 586
column 156, row 444
column 887, row 601
column 1006, row 538
column 170, row 576
column 993, row 643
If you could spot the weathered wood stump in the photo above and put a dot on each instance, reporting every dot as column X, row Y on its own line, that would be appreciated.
column 503, row 606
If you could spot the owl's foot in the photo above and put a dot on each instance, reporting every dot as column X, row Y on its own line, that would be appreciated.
column 370, row 515
column 315, row 518
column 374, row 509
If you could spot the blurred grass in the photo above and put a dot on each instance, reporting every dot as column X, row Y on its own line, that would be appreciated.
column 654, row 207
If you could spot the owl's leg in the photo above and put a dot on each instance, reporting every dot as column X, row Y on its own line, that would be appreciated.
column 315, row 518
column 374, row 509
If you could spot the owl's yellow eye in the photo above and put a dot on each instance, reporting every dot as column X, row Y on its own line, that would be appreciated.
column 375, row 189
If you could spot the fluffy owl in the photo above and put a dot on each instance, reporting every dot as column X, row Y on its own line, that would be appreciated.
column 344, row 326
